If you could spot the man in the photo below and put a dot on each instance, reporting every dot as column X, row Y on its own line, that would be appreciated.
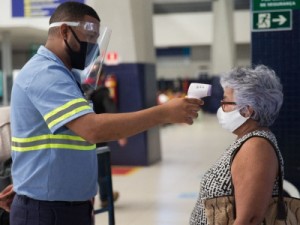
column 54, row 130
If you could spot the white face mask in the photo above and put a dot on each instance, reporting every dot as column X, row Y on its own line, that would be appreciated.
column 231, row 120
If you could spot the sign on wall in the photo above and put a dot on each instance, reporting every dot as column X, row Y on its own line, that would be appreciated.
column 263, row 5
column 36, row 8
column 273, row 15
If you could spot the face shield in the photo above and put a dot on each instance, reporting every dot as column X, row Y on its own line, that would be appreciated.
column 90, row 75
column 89, row 60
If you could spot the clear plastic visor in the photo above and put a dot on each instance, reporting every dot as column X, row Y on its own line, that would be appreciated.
column 90, row 75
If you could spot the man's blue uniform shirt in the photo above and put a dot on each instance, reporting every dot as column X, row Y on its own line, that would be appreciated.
column 50, row 162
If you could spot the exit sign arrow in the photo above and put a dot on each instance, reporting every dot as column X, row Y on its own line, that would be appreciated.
column 280, row 20
column 272, row 20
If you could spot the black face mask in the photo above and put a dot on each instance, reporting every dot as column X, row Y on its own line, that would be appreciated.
column 79, row 60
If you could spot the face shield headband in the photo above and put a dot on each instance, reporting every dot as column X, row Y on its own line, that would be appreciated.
column 95, row 52
column 91, row 30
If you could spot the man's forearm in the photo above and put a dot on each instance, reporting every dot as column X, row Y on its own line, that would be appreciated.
column 97, row 128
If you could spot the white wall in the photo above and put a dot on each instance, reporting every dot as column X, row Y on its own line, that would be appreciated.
column 198, row 62
column 195, row 30
column 188, row 29
column 182, row 29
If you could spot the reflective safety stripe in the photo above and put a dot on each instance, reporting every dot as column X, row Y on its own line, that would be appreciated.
column 52, row 141
column 65, row 111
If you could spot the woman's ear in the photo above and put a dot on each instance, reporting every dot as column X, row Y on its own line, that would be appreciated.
column 247, row 111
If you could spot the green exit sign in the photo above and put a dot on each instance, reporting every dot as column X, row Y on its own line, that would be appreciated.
column 272, row 20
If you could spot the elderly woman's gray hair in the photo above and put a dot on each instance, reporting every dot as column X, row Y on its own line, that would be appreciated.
column 259, row 88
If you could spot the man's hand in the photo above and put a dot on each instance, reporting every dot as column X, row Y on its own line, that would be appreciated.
column 182, row 110
column 6, row 197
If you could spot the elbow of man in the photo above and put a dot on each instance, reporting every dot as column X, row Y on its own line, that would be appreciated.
column 95, row 136
column 92, row 137
column 91, row 140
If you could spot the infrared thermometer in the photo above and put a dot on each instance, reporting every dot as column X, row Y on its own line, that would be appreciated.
column 199, row 90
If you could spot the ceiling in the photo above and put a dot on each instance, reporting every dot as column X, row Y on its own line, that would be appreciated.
column 23, row 37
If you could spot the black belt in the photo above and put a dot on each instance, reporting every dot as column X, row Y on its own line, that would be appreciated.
column 27, row 200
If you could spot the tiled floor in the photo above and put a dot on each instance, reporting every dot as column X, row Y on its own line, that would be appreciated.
column 165, row 193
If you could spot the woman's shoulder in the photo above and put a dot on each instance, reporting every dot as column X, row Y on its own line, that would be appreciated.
column 258, row 136
column 260, row 145
column 256, row 143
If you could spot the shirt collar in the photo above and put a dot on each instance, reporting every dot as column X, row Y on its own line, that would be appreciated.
column 47, row 53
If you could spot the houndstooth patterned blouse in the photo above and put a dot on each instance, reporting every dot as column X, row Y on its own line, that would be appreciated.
column 217, row 180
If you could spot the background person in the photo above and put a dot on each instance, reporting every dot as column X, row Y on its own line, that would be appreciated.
column 6, row 197
column 103, row 103
column 251, row 103
column 54, row 130
column 6, row 189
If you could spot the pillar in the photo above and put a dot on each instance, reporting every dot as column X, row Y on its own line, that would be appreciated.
column 223, row 46
column 132, row 39
column 6, row 65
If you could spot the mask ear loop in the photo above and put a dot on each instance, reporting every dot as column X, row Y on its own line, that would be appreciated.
column 77, row 39
column 69, row 47
column 74, row 34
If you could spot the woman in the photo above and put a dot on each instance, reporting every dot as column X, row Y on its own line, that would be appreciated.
column 251, row 103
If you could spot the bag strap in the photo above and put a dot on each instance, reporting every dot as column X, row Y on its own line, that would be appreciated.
column 281, row 209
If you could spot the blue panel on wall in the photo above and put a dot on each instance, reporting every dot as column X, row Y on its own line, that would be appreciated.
column 176, row 51
column 36, row 8
column 281, row 51
column 136, row 89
